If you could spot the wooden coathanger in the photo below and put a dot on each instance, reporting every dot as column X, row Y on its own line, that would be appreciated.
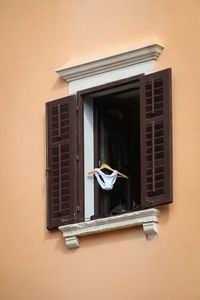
column 105, row 166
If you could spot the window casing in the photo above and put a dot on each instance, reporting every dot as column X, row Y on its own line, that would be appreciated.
column 115, row 137
column 154, row 187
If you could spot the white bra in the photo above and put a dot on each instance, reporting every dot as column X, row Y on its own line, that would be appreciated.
column 109, row 180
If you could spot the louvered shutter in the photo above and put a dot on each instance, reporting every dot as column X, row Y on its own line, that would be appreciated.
column 61, row 161
column 156, row 139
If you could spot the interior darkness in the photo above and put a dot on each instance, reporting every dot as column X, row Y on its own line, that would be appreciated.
column 117, row 143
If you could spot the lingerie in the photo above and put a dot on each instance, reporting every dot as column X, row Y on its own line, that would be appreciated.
column 108, row 180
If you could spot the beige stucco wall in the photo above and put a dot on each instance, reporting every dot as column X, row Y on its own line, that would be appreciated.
column 36, row 38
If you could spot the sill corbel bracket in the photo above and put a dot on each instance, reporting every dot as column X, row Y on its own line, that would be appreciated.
column 72, row 242
column 147, row 218
column 151, row 229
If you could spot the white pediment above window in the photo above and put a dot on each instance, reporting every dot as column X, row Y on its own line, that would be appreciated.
column 111, row 68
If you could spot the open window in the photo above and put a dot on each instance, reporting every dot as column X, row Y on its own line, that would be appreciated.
column 130, row 130
column 117, row 143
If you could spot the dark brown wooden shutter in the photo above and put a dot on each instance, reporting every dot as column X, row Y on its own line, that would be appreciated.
column 61, row 161
column 156, row 139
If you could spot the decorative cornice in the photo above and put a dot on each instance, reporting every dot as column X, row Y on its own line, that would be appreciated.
column 109, row 63
column 148, row 218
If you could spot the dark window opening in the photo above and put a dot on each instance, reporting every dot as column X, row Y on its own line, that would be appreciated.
column 117, row 143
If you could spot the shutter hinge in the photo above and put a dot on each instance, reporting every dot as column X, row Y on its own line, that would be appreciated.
column 47, row 172
column 77, row 108
column 78, row 208
column 77, row 157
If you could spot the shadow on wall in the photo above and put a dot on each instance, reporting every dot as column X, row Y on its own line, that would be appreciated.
column 106, row 238
column 59, row 84
column 164, row 213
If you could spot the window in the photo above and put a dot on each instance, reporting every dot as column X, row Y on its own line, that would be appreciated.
column 136, row 111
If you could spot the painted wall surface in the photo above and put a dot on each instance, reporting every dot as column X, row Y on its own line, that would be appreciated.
column 36, row 38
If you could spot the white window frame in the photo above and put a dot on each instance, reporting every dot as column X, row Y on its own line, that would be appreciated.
column 94, row 73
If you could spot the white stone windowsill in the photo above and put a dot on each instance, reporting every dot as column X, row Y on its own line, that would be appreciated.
column 147, row 218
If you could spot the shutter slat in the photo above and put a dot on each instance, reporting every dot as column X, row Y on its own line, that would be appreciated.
column 155, row 123
column 62, row 165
